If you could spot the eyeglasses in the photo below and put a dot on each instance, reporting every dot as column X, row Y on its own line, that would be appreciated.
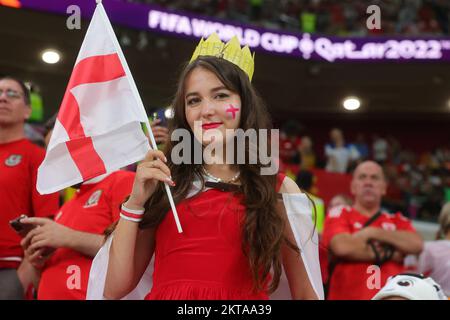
column 11, row 94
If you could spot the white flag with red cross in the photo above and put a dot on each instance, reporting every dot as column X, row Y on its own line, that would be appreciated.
column 98, row 128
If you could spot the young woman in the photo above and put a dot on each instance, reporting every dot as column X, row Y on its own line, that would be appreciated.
column 236, row 234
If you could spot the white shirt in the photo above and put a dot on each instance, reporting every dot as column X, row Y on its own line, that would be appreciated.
column 380, row 147
column 340, row 157
column 435, row 262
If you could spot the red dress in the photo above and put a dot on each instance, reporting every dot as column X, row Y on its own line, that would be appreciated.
column 206, row 261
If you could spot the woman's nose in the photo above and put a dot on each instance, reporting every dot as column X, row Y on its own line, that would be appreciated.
column 207, row 108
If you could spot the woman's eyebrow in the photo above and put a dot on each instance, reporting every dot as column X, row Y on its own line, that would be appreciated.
column 212, row 90
column 191, row 94
column 218, row 88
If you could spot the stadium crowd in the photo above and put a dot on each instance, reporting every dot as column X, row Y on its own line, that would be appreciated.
column 327, row 17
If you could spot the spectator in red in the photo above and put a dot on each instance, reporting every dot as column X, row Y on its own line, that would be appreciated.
column 75, row 236
column 338, row 200
column 362, row 237
column 290, row 142
column 19, row 161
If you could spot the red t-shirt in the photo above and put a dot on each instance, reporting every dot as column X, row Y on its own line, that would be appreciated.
column 19, row 162
column 350, row 280
column 288, row 148
column 94, row 207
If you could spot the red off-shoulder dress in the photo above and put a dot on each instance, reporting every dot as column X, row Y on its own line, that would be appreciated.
column 206, row 261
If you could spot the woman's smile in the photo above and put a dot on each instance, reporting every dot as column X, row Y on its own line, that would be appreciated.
column 211, row 125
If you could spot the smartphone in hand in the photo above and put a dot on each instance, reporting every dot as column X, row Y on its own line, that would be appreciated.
column 21, row 228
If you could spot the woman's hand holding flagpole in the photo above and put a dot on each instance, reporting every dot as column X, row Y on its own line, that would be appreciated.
column 169, row 193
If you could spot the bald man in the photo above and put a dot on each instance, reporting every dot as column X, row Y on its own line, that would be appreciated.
column 366, row 244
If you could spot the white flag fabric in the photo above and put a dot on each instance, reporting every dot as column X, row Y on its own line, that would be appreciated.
column 98, row 128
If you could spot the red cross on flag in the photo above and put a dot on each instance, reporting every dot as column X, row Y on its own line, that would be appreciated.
column 98, row 128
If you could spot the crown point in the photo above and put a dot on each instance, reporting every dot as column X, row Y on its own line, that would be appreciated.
column 231, row 51
column 234, row 42
column 213, row 37
column 246, row 52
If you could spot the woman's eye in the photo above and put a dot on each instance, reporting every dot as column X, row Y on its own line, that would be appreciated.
column 193, row 101
column 222, row 95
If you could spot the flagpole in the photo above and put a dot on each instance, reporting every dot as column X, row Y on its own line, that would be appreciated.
column 139, row 102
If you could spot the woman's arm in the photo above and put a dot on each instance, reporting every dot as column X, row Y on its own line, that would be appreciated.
column 131, row 248
column 299, row 282
column 129, row 255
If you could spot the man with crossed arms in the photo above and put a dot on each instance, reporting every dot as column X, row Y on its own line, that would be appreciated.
column 356, row 248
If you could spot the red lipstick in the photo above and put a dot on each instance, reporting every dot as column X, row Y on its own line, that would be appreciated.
column 211, row 125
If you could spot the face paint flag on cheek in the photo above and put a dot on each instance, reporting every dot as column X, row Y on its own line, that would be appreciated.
column 231, row 109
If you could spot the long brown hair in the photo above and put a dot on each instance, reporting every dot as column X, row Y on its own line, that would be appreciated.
column 263, row 228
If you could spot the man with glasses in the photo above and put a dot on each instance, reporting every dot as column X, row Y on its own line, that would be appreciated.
column 19, row 161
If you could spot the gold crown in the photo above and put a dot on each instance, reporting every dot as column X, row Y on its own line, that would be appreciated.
column 230, row 51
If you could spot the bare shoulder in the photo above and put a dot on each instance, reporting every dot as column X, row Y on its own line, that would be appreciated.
column 289, row 186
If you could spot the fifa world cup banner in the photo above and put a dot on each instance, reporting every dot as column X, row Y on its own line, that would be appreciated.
column 303, row 46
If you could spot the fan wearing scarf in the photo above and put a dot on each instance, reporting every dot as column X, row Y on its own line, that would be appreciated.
column 239, row 237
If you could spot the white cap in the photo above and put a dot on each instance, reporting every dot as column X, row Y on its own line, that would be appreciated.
column 411, row 287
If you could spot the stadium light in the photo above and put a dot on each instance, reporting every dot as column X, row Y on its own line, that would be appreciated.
column 51, row 56
column 351, row 103
column 168, row 113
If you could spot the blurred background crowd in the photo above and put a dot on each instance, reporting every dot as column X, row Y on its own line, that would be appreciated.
column 419, row 182
column 331, row 17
